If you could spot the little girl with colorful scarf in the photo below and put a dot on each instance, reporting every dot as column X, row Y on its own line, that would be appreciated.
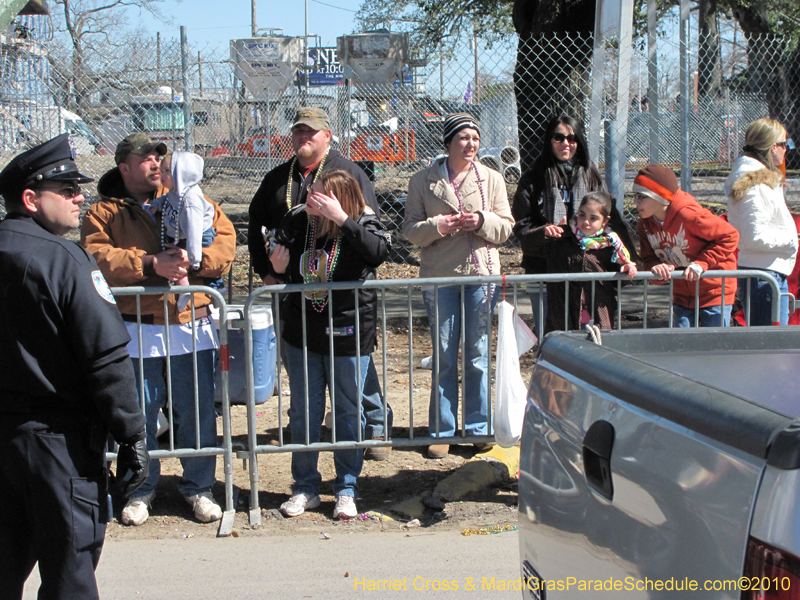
column 586, row 245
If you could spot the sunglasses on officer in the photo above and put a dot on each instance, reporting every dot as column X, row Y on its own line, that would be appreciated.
column 67, row 189
column 560, row 137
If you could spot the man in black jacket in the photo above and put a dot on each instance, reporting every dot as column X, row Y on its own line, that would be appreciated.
column 67, row 383
column 286, row 186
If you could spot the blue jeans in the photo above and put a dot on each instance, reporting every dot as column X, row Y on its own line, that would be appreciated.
column 371, row 401
column 346, row 391
column 198, row 472
column 476, row 314
column 710, row 316
column 534, row 293
column 372, row 405
column 761, row 298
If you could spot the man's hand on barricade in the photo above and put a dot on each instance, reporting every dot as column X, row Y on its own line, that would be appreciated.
column 172, row 263
column 133, row 465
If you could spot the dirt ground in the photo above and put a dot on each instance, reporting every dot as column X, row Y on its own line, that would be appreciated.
column 408, row 472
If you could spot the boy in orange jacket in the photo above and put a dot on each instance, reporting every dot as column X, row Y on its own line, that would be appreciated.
column 675, row 232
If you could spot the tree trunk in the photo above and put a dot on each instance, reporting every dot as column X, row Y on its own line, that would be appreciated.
column 709, row 77
column 772, row 69
column 551, row 71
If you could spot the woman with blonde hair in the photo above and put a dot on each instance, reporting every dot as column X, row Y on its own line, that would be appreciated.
column 334, row 236
column 757, row 209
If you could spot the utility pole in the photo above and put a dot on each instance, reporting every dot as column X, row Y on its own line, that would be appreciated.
column 253, row 23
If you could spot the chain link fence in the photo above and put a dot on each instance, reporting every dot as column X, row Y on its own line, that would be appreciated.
column 239, row 120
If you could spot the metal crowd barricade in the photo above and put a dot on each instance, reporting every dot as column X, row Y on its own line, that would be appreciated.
column 646, row 277
column 225, row 450
column 505, row 287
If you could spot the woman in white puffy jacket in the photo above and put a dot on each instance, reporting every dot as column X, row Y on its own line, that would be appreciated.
column 757, row 209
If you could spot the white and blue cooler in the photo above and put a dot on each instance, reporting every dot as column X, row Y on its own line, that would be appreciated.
column 264, row 355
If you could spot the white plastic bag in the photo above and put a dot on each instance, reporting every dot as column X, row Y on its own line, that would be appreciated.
column 510, row 391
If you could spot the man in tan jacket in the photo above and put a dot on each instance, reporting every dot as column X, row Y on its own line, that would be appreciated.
column 126, row 240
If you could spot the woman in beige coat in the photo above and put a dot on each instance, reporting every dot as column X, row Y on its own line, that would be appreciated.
column 458, row 211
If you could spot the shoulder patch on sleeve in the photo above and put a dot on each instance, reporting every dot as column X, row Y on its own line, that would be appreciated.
column 386, row 235
column 101, row 285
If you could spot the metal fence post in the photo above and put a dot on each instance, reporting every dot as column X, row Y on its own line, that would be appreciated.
column 187, row 97
column 686, row 159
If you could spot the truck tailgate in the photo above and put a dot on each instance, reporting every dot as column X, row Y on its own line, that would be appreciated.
column 637, row 471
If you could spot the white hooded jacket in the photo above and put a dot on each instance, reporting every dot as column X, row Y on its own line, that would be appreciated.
column 757, row 209
column 185, row 209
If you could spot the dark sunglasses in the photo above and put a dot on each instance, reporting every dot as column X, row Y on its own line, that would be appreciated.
column 560, row 137
column 69, row 190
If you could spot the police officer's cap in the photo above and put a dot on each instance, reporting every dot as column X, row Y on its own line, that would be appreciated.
column 53, row 160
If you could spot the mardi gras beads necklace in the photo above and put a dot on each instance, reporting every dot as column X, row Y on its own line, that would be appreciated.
column 318, row 299
column 291, row 176
column 457, row 191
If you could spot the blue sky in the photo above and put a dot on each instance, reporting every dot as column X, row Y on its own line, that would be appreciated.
column 216, row 22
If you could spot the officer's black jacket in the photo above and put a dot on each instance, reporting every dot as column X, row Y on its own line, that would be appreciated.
column 62, row 341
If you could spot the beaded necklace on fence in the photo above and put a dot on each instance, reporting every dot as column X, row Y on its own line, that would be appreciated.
column 461, row 210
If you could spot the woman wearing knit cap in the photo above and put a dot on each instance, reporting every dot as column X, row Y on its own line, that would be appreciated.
column 757, row 208
column 675, row 232
column 549, row 194
column 457, row 211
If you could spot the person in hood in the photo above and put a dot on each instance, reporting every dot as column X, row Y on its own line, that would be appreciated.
column 675, row 232
column 186, row 216
column 757, row 209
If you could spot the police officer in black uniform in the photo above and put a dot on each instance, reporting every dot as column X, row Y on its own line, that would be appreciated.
column 66, row 383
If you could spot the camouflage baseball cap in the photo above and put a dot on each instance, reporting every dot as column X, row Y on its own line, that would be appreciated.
column 138, row 143
column 316, row 118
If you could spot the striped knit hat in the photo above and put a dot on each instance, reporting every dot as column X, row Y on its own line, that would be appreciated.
column 455, row 123
column 656, row 182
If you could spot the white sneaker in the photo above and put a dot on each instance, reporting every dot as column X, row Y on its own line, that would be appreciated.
column 297, row 504
column 345, row 508
column 136, row 510
column 205, row 507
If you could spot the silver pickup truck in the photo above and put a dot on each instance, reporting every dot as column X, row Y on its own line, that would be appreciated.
column 663, row 464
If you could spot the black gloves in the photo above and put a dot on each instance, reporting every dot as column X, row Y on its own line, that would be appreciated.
column 133, row 464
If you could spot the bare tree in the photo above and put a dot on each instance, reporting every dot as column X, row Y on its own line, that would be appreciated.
column 94, row 29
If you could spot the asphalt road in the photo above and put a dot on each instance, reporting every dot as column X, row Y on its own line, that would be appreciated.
column 346, row 566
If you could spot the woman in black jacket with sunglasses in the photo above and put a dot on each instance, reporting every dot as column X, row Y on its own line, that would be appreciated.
column 550, row 192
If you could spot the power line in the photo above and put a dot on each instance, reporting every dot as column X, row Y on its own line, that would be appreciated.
column 336, row 7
